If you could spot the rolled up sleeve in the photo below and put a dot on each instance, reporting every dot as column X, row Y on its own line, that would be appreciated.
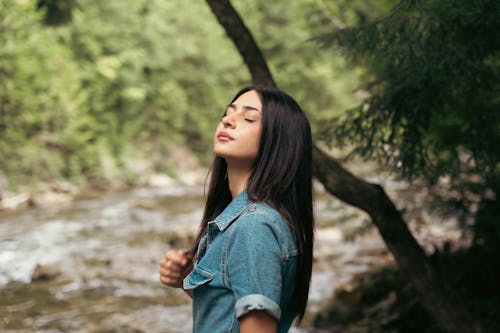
column 257, row 302
column 254, row 264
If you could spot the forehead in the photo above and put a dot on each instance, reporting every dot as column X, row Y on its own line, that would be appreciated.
column 249, row 98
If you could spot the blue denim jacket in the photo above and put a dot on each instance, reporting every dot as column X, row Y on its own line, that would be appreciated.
column 246, row 261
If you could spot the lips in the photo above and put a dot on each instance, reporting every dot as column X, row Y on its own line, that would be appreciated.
column 224, row 136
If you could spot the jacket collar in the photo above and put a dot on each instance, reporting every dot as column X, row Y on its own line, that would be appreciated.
column 232, row 211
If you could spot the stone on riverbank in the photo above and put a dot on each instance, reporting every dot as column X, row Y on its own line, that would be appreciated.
column 9, row 201
column 46, row 272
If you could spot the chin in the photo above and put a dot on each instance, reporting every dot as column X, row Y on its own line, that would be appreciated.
column 221, row 154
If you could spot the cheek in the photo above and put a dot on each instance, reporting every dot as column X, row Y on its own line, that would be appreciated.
column 256, row 140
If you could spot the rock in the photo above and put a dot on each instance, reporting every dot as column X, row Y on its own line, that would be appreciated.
column 350, row 292
column 192, row 177
column 144, row 204
column 160, row 180
column 14, row 201
column 63, row 187
column 330, row 234
column 45, row 272
column 51, row 199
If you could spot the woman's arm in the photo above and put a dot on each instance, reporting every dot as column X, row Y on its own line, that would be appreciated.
column 258, row 322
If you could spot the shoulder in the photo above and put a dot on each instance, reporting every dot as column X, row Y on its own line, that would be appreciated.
column 259, row 215
column 260, row 221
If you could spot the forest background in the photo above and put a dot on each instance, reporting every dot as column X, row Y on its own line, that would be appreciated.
column 85, row 96
column 100, row 92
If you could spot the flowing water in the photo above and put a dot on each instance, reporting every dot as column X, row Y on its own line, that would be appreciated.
column 106, row 250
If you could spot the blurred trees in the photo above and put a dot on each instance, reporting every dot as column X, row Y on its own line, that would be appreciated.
column 120, row 81
column 41, row 116
column 90, row 86
column 143, row 70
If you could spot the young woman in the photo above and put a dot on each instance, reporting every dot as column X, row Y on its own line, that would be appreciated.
column 253, row 254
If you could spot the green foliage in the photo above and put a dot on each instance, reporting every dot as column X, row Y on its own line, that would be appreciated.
column 119, row 82
column 433, row 98
column 39, row 97
column 151, row 72
column 92, row 90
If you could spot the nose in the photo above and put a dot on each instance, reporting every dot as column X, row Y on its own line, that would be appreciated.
column 229, row 121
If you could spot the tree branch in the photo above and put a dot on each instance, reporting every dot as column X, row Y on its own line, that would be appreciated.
column 237, row 31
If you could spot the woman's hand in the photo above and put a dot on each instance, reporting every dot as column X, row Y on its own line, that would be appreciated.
column 174, row 267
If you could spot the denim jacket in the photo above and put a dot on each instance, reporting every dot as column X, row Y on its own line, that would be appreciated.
column 246, row 261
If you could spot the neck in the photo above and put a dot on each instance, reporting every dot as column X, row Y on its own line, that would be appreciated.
column 237, row 179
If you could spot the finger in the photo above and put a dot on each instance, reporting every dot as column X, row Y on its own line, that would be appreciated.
column 170, row 261
column 176, row 257
column 170, row 282
column 186, row 255
column 170, row 274
column 170, row 265
column 166, row 281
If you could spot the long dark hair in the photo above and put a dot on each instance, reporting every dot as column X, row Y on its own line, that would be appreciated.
column 280, row 177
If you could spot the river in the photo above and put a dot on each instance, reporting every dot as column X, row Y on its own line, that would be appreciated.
column 105, row 251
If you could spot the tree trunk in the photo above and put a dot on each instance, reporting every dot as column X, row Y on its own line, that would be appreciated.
column 237, row 31
column 411, row 258
column 371, row 198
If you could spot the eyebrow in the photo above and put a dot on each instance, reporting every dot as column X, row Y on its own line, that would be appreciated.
column 245, row 107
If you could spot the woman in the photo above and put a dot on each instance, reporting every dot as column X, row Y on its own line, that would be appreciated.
column 253, row 254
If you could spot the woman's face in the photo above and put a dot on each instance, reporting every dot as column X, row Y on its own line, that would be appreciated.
column 237, row 136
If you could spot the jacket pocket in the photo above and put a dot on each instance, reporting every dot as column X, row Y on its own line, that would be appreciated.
column 197, row 277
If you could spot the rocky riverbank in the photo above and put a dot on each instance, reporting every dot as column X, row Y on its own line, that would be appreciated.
column 88, row 263
column 137, row 172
